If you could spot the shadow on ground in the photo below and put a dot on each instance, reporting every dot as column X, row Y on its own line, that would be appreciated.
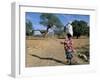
column 53, row 59
column 56, row 60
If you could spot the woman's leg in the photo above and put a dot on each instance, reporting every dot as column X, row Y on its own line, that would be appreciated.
column 70, row 56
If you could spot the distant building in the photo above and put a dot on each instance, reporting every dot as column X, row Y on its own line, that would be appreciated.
column 37, row 33
column 41, row 32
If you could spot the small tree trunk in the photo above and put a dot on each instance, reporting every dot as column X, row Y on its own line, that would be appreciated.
column 77, row 37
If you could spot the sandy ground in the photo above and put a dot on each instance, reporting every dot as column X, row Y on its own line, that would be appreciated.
column 49, row 52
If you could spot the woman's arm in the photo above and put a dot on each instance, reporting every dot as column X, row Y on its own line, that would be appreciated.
column 62, row 42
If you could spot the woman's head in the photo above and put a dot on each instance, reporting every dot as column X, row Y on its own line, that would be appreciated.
column 69, row 35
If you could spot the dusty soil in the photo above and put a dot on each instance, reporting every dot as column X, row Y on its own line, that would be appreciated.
column 49, row 52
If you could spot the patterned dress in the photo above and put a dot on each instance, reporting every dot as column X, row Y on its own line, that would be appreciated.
column 68, row 48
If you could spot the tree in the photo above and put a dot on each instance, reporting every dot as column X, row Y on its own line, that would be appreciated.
column 80, row 28
column 29, row 30
column 87, row 31
column 49, row 20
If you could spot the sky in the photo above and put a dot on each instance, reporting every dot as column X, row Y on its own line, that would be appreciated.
column 64, row 18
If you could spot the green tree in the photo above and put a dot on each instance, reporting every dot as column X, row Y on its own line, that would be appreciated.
column 87, row 31
column 49, row 20
column 80, row 28
column 29, row 30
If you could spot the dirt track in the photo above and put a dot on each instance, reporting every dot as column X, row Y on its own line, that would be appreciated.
column 49, row 52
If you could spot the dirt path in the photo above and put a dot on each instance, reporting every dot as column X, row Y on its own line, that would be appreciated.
column 48, row 52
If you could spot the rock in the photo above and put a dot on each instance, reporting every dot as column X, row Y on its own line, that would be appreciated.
column 83, row 57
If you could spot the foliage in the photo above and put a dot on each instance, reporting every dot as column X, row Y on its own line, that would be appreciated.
column 29, row 30
column 80, row 28
column 49, row 20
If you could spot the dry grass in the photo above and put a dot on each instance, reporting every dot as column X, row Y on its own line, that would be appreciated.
column 49, row 52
